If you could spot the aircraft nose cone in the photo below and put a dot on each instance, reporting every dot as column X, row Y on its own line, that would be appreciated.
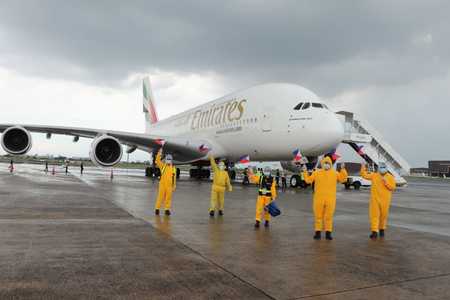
column 336, row 130
column 331, row 131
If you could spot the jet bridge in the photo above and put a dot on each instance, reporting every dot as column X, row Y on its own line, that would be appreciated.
column 374, row 148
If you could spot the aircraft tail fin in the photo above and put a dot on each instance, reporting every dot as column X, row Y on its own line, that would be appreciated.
column 151, row 116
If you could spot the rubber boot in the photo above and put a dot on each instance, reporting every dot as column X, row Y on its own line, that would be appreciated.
column 220, row 212
column 211, row 213
column 257, row 224
column 328, row 235
column 167, row 212
column 373, row 235
column 157, row 212
column 266, row 224
column 381, row 233
column 317, row 235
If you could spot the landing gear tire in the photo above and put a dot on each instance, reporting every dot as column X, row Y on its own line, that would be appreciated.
column 199, row 173
column 295, row 181
column 152, row 172
column 357, row 185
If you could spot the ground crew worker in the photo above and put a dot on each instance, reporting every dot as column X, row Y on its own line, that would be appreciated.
column 283, row 181
column 324, row 201
column 383, row 183
column 167, row 182
column 221, row 181
column 267, row 192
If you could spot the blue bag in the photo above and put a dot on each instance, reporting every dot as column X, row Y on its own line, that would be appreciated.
column 273, row 209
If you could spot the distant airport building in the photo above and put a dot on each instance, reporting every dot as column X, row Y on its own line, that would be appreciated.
column 419, row 171
column 439, row 168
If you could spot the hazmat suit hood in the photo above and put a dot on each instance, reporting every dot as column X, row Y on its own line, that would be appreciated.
column 325, row 160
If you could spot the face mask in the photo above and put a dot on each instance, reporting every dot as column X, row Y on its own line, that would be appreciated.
column 168, row 161
column 266, row 173
column 383, row 170
column 221, row 167
column 327, row 166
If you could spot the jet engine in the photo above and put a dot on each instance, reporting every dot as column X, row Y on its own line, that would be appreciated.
column 106, row 151
column 16, row 140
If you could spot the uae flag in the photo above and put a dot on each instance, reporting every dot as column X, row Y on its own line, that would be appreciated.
column 244, row 159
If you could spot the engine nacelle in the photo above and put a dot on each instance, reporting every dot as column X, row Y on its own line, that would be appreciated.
column 16, row 140
column 106, row 151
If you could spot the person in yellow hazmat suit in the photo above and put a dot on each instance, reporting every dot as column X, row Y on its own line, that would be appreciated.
column 267, row 192
column 383, row 183
column 221, row 182
column 324, row 200
column 167, row 182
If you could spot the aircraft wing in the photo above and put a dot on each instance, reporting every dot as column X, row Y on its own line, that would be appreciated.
column 182, row 150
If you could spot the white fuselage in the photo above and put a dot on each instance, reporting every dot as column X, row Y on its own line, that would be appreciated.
column 261, row 122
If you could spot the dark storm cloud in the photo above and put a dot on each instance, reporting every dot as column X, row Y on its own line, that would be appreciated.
column 332, row 47
column 253, row 40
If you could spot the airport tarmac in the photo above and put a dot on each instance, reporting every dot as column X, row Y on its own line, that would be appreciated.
column 73, row 236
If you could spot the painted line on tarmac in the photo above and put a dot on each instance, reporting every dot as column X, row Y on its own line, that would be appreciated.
column 374, row 286
column 69, row 221
column 82, row 179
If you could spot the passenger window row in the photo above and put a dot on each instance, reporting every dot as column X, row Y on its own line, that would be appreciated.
column 306, row 105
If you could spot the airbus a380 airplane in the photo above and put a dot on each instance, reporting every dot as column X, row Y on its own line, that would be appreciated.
column 267, row 122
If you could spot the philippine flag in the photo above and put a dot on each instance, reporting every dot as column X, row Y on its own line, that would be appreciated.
column 334, row 155
column 244, row 159
column 297, row 155
column 360, row 150
column 160, row 142
column 203, row 148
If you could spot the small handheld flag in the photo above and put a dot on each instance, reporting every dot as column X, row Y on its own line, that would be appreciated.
column 160, row 142
column 297, row 155
column 203, row 148
column 334, row 155
column 244, row 159
column 360, row 150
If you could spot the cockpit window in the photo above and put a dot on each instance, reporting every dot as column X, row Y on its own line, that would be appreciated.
column 317, row 105
column 306, row 106
column 298, row 106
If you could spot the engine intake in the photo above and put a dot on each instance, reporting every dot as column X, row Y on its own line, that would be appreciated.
column 106, row 151
column 16, row 140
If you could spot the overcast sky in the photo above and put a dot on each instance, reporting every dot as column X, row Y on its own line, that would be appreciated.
column 80, row 63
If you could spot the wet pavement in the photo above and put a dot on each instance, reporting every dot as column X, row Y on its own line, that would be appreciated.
column 72, row 236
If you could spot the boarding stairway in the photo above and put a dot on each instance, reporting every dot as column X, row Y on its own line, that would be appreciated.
column 375, row 149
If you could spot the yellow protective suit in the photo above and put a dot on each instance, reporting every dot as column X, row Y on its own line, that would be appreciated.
column 167, row 183
column 380, row 198
column 324, row 200
column 221, row 181
column 262, row 201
